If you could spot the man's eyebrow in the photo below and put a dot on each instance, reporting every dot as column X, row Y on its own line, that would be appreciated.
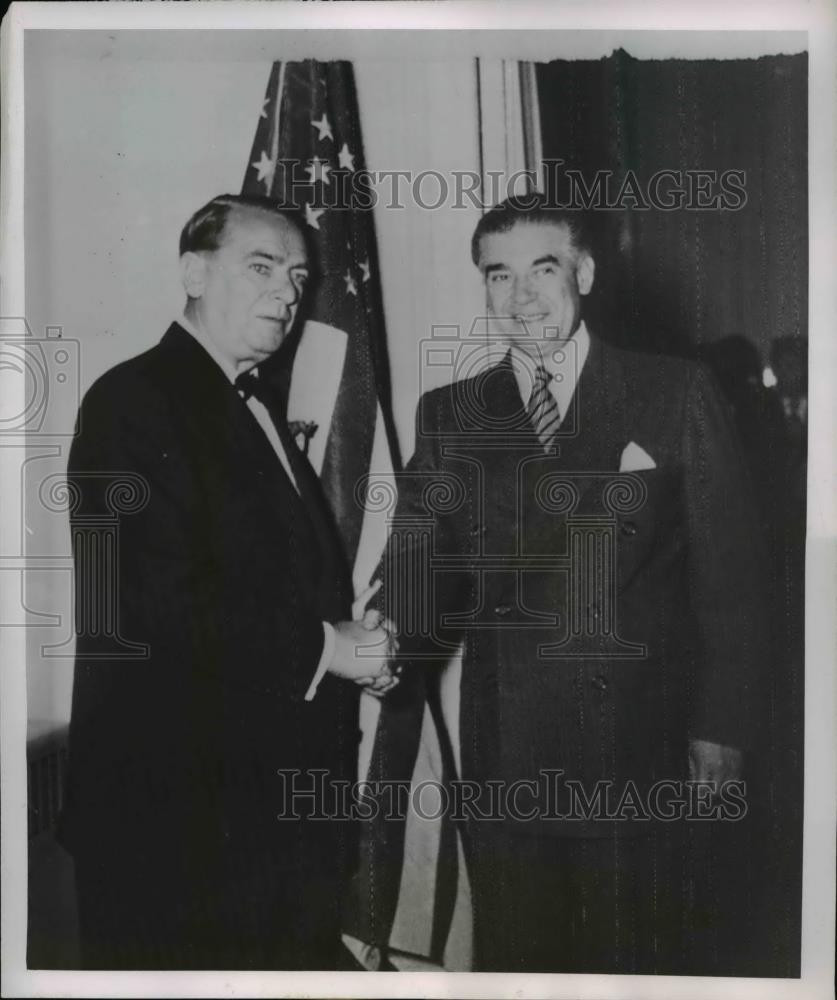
column 547, row 259
column 276, row 258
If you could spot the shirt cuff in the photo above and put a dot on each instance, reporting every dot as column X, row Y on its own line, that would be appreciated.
column 329, row 645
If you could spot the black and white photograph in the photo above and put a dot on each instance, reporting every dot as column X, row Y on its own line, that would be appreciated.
column 418, row 536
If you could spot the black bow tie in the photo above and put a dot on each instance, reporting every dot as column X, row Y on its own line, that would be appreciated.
column 250, row 384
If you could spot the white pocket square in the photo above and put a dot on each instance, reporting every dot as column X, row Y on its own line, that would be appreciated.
column 636, row 459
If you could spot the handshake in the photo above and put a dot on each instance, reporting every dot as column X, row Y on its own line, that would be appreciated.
column 364, row 647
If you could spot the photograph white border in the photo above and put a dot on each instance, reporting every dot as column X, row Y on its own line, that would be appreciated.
column 513, row 22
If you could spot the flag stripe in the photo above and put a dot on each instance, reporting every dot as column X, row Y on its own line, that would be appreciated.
column 306, row 150
column 280, row 90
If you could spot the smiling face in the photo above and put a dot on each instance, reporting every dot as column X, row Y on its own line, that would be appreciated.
column 244, row 296
column 534, row 279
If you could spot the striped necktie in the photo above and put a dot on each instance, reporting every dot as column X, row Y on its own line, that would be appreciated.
column 542, row 408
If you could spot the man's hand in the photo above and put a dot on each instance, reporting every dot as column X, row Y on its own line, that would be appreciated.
column 381, row 683
column 389, row 676
column 361, row 652
column 713, row 762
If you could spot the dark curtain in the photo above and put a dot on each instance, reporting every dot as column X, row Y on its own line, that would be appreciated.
column 669, row 280
column 723, row 285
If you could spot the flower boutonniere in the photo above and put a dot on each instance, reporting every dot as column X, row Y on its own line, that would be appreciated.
column 302, row 431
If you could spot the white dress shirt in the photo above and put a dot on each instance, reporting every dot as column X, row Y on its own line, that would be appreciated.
column 259, row 411
column 564, row 363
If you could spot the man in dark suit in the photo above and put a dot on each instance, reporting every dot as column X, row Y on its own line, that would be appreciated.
column 582, row 521
column 190, row 850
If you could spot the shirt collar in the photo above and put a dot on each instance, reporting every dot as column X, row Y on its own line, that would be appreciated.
column 566, row 360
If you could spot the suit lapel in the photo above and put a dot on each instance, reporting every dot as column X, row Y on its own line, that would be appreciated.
column 209, row 397
column 590, row 435
column 591, row 432
column 505, row 401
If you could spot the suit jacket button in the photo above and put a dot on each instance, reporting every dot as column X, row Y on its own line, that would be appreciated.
column 502, row 609
column 628, row 528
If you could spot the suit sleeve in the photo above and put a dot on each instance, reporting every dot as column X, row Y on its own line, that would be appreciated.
column 174, row 590
column 727, row 568
column 414, row 594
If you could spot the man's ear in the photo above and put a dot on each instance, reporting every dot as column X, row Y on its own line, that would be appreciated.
column 585, row 273
column 193, row 274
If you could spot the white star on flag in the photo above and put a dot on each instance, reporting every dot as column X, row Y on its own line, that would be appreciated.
column 351, row 287
column 264, row 107
column 312, row 215
column 318, row 171
column 266, row 168
column 323, row 126
column 364, row 266
column 347, row 161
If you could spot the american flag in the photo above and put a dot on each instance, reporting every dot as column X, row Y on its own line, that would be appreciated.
column 308, row 153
